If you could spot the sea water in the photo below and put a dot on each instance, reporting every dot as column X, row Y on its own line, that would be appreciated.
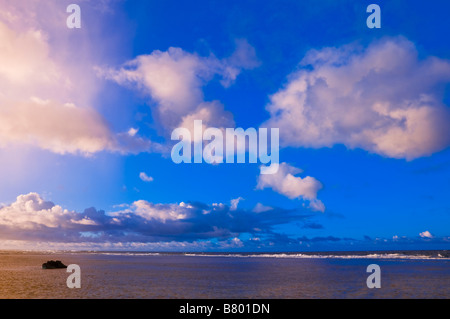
column 424, row 274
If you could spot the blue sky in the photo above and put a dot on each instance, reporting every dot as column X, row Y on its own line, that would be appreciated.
column 363, row 116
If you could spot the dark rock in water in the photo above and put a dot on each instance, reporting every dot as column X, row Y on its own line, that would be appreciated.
column 51, row 264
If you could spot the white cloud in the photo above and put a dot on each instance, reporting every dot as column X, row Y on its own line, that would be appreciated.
column 426, row 234
column 260, row 208
column 317, row 205
column 285, row 183
column 30, row 212
column 237, row 242
column 235, row 203
column 32, row 222
column 46, row 97
column 174, row 80
column 133, row 131
column 84, row 221
column 108, row 246
column 212, row 114
column 160, row 212
column 244, row 57
column 143, row 176
column 31, row 218
column 382, row 99
column 55, row 127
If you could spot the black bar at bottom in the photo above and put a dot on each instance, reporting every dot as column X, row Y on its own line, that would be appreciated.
column 217, row 308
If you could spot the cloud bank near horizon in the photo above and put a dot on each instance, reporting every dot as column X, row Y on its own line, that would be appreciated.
column 32, row 218
column 35, row 223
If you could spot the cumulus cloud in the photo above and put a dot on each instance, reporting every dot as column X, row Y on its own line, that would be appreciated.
column 285, row 183
column 261, row 208
column 54, row 126
column 161, row 212
column 382, row 98
column 174, row 80
column 144, row 177
column 232, row 243
column 31, row 221
column 41, row 70
column 426, row 234
column 235, row 203
column 30, row 217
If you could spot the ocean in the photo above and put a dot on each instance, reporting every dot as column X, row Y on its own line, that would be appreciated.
column 130, row 275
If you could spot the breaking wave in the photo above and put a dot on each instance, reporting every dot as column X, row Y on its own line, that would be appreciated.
column 408, row 256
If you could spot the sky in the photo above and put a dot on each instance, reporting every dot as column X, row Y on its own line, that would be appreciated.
column 87, row 115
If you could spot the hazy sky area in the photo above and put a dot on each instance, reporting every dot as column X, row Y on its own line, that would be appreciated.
column 86, row 116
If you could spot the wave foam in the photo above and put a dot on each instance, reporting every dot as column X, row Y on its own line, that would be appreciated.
column 327, row 256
